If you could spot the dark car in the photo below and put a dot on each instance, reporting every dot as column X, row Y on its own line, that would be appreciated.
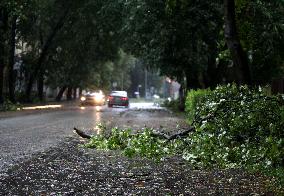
column 94, row 98
column 118, row 98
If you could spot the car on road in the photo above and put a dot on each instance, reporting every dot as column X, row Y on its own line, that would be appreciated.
column 118, row 98
column 93, row 98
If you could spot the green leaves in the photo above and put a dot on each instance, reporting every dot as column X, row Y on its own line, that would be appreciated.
column 169, row 35
column 235, row 127
column 244, row 123
column 261, row 33
column 142, row 144
column 193, row 100
column 9, row 106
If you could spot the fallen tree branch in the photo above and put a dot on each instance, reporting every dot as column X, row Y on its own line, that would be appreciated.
column 81, row 133
column 180, row 134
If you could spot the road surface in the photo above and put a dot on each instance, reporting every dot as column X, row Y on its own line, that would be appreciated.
column 23, row 135
column 40, row 156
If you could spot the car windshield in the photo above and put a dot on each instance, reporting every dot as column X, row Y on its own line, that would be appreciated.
column 119, row 93
column 94, row 93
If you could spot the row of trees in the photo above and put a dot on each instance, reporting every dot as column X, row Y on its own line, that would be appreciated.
column 66, row 44
column 72, row 44
column 197, row 40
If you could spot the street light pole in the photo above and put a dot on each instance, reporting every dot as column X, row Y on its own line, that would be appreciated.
column 146, row 83
column 138, row 90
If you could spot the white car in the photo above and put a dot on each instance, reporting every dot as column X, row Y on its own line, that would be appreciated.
column 118, row 98
column 94, row 98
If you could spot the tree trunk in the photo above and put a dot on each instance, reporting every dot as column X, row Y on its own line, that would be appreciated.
column 211, row 75
column 3, row 30
column 181, row 98
column 74, row 93
column 1, row 81
column 277, row 86
column 238, row 55
column 40, row 85
column 192, row 74
column 12, row 61
column 69, row 94
column 192, row 82
column 60, row 93
column 80, row 92
column 44, row 53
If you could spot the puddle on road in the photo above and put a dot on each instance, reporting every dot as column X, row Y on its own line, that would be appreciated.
column 151, row 118
column 135, row 119
column 146, row 113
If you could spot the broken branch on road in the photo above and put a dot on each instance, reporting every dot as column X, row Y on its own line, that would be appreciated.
column 178, row 134
column 82, row 133
column 160, row 134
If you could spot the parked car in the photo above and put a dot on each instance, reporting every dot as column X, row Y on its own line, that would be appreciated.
column 94, row 98
column 118, row 98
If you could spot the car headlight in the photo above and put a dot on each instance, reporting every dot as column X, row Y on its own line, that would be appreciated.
column 99, row 96
column 83, row 98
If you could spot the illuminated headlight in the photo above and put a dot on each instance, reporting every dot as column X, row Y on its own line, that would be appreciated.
column 83, row 98
column 98, row 97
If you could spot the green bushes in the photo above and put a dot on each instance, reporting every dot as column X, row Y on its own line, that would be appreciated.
column 193, row 99
column 237, row 127
column 244, row 127
column 173, row 105
column 234, row 127
column 143, row 144
column 8, row 106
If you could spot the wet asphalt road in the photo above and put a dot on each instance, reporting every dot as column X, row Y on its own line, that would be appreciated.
column 35, row 131
column 40, row 156
column 27, row 134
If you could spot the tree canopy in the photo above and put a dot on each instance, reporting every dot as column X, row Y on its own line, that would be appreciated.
column 78, row 44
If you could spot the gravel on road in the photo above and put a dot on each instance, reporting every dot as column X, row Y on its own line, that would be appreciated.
column 69, row 169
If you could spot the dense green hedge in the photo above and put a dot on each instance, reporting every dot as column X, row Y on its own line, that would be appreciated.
column 238, row 126
column 235, row 127
column 194, row 98
column 8, row 106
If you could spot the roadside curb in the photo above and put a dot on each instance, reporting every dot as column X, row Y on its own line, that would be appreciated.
column 64, row 105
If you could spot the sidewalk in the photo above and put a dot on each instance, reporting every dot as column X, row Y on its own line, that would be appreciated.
column 63, row 105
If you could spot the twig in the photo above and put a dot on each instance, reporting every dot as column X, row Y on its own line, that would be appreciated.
column 162, row 135
column 181, row 134
column 81, row 133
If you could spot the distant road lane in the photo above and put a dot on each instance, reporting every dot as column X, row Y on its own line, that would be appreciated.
column 24, row 135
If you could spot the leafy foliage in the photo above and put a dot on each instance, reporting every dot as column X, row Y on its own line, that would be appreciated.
column 170, row 35
column 182, row 39
column 235, row 127
column 237, row 120
column 8, row 106
column 173, row 105
column 194, row 98
column 261, row 32
column 143, row 144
